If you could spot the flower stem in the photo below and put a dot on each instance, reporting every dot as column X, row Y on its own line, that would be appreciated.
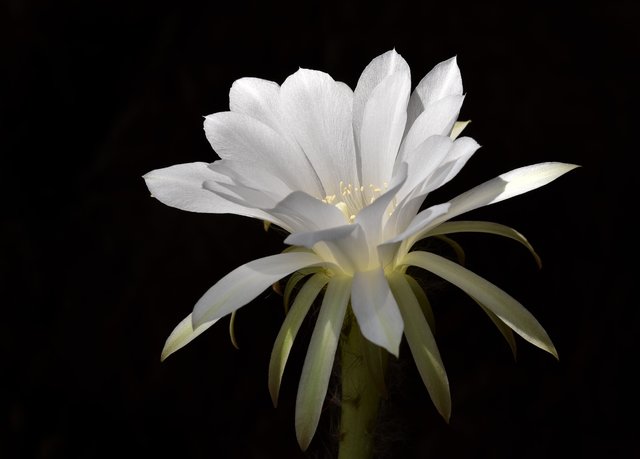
column 360, row 394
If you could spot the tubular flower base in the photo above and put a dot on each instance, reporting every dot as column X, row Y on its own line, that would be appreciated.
column 346, row 174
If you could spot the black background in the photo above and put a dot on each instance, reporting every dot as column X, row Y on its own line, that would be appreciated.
column 95, row 273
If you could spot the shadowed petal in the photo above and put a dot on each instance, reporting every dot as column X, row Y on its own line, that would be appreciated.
column 181, row 186
column 238, row 137
column 510, row 311
column 319, row 360
column 422, row 344
column 289, row 330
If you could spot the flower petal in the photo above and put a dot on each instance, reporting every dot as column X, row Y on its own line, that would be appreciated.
column 347, row 246
column 458, row 127
column 503, row 328
column 422, row 344
column 484, row 227
column 317, row 112
column 381, row 67
column 437, row 119
column 320, row 357
column 442, row 81
column 382, row 128
column 304, row 213
column 460, row 152
column 510, row 311
column 289, row 330
column 505, row 186
column 182, row 335
column 373, row 217
column 376, row 310
column 238, row 137
column 252, row 175
column 423, row 161
column 246, row 282
column 181, row 186
column 258, row 99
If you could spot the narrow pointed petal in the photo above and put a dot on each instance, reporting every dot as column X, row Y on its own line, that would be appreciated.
column 381, row 67
column 503, row 328
column 245, row 283
column 373, row 217
column 442, row 81
column 238, row 137
column 382, row 129
column 484, row 227
column 317, row 111
column 182, row 335
column 376, row 310
column 436, row 119
column 505, row 186
column 458, row 127
column 423, row 301
column 318, row 363
column 510, row 311
column 422, row 344
column 181, row 186
column 289, row 330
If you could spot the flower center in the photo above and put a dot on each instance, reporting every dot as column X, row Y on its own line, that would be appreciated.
column 351, row 199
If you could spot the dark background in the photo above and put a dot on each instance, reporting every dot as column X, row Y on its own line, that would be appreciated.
column 95, row 274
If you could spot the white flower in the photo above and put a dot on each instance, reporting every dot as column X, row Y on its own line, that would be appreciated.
column 345, row 173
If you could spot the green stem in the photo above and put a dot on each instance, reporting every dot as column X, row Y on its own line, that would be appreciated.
column 360, row 394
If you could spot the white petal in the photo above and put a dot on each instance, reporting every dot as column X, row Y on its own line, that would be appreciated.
column 422, row 344
column 437, row 119
column 238, row 137
column 242, row 195
column 461, row 151
column 346, row 245
column 181, row 186
column 258, row 99
column 317, row 111
column 376, row 310
column 318, row 363
column 383, row 123
column 505, row 186
column 252, row 175
column 442, row 81
column 373, row 217
column 423, row 161
column 303, row 213
column 182, row 335
column 378, row 69
column 496, row 300
column 245, row 283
